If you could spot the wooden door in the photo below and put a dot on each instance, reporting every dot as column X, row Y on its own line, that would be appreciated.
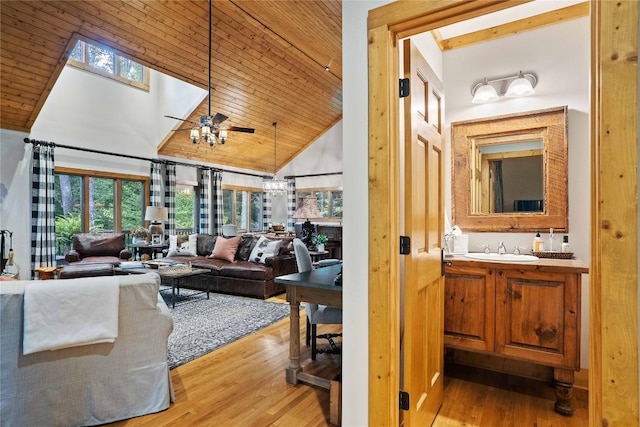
column 422, row 339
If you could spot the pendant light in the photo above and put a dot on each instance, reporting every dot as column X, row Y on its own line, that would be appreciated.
column 274, row 186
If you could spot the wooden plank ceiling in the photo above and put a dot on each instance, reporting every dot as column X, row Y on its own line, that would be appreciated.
column 269, row 64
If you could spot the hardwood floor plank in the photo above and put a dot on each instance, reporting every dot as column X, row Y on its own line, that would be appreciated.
column 243, row 384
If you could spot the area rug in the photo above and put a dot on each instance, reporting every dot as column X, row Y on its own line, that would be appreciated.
column 201, row 325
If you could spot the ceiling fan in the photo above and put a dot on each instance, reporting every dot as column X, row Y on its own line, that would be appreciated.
column 209, row 126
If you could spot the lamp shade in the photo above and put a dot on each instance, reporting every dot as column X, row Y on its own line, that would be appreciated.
column 308, row 209
column 156, row 214
column 520, row 87
column 485, row 93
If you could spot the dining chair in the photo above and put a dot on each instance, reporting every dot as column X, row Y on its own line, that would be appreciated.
column 317, row 313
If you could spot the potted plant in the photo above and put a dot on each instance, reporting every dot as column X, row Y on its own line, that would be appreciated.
column 321, row 239
column 139, row 234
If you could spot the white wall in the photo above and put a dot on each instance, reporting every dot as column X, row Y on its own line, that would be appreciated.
column 562, row 69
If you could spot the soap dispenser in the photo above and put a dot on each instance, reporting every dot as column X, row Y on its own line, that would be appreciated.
column 537, row 243
column 565, row 243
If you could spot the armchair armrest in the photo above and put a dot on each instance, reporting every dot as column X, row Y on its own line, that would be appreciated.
column 125, row 254
column 282, row 264
column 72, row 256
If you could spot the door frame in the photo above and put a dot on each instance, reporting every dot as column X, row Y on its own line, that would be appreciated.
column 614, row 87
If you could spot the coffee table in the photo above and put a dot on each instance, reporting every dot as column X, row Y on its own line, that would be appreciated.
column 175, row 278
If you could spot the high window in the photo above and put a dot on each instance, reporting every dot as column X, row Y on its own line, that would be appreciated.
column 88, row 201
column 108, row 63
column 329, row 202
column 242, row 207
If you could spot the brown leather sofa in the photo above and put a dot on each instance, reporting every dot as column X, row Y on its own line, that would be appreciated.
column 241, row 277
column 98, row 248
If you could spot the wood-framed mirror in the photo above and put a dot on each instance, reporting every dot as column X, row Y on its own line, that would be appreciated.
column 510, row 172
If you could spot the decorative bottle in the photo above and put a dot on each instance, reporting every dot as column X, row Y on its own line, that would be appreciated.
column 537, row 243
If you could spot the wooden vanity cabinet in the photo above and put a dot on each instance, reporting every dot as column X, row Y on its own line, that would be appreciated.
column 527, row 312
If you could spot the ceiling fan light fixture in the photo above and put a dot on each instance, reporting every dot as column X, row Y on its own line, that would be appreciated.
column 222, row 136
column 194, row 135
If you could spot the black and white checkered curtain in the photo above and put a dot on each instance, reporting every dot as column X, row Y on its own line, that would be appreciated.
column 291, row 204
column 155, row 187
column 204, row 183
column 266, row 210
column 170, row 198
column 218, row 208
column 43, row 233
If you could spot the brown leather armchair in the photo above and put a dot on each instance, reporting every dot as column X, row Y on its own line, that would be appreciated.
column 101, row 248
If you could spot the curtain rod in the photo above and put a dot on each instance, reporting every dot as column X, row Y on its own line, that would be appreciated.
column 128, row 156
column 312, row 175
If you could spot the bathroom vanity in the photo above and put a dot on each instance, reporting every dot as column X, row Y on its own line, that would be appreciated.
column 527, row 311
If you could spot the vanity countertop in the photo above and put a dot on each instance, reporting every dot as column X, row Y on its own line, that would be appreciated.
column 543, row 264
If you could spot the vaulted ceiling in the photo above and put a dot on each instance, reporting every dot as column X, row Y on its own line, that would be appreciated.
column 274, row 61
column 269, row 64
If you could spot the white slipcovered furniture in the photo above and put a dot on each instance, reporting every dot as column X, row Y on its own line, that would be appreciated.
column 86, row 384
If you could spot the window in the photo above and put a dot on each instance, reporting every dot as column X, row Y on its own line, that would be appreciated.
column 242, row 207
column 187, row 208
column 108, row 63
column 88, row 201
column 329, row 202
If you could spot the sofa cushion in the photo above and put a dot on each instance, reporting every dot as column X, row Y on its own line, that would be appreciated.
column 206, row 243
column 225, row 249
column 265, row 248
column 98, row 244
column 245, row 247
column 246, row 270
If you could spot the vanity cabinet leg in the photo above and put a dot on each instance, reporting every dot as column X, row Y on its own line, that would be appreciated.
column 563, row 379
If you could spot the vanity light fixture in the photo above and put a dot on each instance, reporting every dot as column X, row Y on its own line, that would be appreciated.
column 490, row 90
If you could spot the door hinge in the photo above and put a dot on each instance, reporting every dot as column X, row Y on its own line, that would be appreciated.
column 404, row 400
column 404, row 88
column 405, row 245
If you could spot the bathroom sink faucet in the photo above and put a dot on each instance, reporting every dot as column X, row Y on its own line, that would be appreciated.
column 502, row 249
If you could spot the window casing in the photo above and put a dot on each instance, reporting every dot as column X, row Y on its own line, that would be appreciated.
column 242, row 207
column 90, row 201
column 108, row 63
column 329, row 202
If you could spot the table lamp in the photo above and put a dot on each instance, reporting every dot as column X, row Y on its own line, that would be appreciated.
column 156, row 215
column 308, row 208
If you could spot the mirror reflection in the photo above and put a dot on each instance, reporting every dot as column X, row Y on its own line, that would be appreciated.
column 508, row 177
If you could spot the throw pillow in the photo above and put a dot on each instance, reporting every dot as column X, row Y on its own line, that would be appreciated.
column 225, row 249
column 244, row 249
column 187, row 248
column 265, row 248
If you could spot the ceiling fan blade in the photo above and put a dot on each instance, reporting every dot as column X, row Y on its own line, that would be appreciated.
column 184, row 120
column 219, row 118
column 239, row 129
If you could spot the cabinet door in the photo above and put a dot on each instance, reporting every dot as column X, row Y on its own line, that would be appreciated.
column 537, row 317
column 469, row 307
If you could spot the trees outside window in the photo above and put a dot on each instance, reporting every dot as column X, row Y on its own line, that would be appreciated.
column 242, row 207
column 187, row 207
column 109, row 63
column 88, row 201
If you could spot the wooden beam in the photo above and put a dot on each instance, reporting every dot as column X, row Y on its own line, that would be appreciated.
column 538, row 21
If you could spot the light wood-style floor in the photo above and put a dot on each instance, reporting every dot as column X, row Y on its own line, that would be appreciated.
column 243, row 384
